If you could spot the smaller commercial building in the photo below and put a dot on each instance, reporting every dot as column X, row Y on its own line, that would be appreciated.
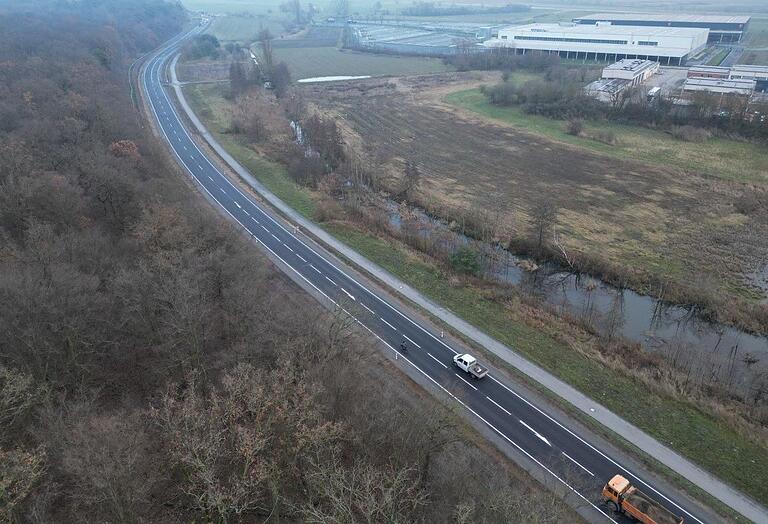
column 752, row 72
column 722, row 29
column 607, row 89
column 721, row 87
column 635, row 71
column 718, row 72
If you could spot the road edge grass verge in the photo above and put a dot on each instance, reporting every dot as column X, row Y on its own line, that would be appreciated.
column 702, row 438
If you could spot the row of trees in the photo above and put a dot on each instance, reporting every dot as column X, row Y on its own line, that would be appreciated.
column 559, row 94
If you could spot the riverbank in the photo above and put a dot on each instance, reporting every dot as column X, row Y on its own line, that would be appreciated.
column 704, row 433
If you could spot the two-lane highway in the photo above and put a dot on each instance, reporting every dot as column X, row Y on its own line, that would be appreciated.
column 568, row 457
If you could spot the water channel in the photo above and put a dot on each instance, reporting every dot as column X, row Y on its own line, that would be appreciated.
column 710, row 352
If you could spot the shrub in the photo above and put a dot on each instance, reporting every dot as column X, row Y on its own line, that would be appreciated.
column 606, row 137
column 574, row 127
column 690, row 133
column 465, row 260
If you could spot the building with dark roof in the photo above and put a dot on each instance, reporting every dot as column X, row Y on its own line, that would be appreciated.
column 721, row 28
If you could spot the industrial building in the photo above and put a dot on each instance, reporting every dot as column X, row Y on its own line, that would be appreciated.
column 718, row 72
column 604, row 41
column 411, row 38
column 721, row 87
column 723, row 29
column 607, row 89
column 635, row 71
column 754, row 73
column 620, row 76
column 751, row 72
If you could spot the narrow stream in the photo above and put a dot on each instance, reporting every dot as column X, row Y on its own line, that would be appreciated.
column 711, row 353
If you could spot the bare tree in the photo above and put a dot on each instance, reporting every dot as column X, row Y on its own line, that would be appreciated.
column 543, row 216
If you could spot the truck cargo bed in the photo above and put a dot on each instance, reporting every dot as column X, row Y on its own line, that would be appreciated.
column 651, row 508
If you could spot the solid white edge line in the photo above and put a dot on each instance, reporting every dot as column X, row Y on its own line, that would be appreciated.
column 436, row 360
column 575, row 462
column 467, row 383
column 499, row 406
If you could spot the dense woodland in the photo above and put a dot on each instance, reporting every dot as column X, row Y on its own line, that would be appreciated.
column 153, row 366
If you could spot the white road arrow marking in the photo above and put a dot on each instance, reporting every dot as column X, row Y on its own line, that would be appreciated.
column 538, row 435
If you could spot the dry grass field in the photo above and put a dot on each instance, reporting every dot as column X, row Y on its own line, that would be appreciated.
column 648, row 219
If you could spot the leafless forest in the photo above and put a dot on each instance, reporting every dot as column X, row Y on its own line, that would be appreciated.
column 153, row 366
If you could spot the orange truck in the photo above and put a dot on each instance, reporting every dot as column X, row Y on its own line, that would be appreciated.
column 636, row 504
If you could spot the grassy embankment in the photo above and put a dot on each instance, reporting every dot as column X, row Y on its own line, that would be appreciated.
column 727, row 159
column 719, row 57
column 701, row 437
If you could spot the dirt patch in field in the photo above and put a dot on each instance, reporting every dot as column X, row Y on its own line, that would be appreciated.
column 648, row 219
column 203, row 71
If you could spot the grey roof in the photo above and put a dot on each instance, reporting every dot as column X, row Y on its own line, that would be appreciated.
column 630, row 64
column 648, row 17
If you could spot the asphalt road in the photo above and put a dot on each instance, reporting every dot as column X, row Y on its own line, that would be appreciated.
column 563, row 454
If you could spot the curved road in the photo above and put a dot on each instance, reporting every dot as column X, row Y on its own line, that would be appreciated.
column 564, row 455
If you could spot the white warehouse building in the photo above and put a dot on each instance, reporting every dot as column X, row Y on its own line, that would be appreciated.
column 603, row 41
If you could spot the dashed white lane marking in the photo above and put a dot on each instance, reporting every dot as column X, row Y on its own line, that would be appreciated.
column 222, row 190
column 387, row 323
column 538, row 435
column 254, row 220
column 348, row 293
column 246, row 212
column 435, row 359
column 238, row 206
column 287, row 247
column 369, row 309
column 313, row 267
column 411, row 341
column 301, row 257
column 209, row 178
column 572, row 460
column 201, row 168
column 498, row 405
column 467, row 383
column 331, row 281
column 264, row 228
column 185, row 147
column 275, row 237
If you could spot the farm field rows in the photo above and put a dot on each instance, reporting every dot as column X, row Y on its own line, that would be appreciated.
column 648, row 219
